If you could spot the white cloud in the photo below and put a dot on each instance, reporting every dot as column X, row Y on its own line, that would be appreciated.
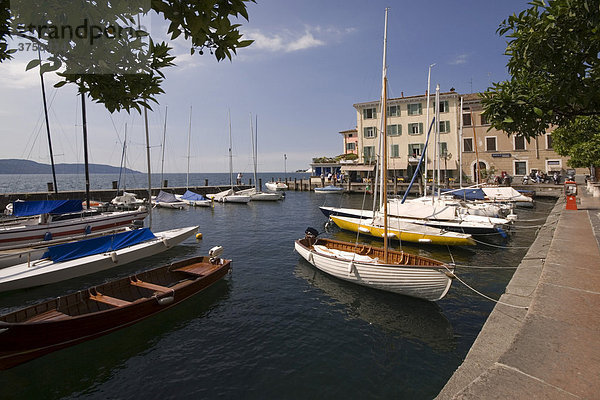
column 460, row 59
column 288, row 41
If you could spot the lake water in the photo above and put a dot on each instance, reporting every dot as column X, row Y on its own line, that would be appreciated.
column 276, row 327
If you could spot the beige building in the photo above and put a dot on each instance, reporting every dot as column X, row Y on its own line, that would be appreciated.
column 407, row 133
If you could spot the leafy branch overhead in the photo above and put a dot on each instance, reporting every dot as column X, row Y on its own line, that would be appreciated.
column 554, row 64
column 108, row 53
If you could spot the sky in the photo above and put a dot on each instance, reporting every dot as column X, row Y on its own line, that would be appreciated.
column 310, row 62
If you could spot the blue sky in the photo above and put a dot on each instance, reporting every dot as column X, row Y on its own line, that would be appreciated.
column 310, row 62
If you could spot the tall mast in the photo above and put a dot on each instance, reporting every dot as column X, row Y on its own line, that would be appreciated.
column 427, row 127
column 162, row 164
column 47, row 123
column 149, row 170
column 478, row 178
column 253, row 144
column 187, row 180
column 230, row 154
column 437, row 134
column 460, row 144
column 123, row 163
column 85, row 151
column 384, row 134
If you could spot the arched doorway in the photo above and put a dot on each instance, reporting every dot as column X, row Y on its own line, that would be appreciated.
column 482, row 166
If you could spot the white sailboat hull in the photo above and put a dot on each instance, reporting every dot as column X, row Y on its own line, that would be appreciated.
column 44, row 272
column 34, row 233
column 425, row 283
column 274, row 186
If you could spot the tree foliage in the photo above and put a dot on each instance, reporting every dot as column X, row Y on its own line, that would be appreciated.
column 123, row 72
column 580, row 140
column 554, row 65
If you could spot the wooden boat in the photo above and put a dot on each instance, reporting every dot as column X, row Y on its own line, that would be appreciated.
column 330, row 189
column 51, row 223
column 77, row 317
column 403, row 273
column 81, row 258
column 379, row 267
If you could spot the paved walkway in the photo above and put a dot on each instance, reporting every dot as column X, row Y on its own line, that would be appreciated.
column 551, row 350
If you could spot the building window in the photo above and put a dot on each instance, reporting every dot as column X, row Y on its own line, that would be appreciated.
column 369, row 113
column 370, row 132
column 393, row 111
column 415, row 128
column 369, row 153
column 415, row 149
column 351, row 146
column 484, row 120
column 549, row 141
column 444, row 126
column 519, row 143
column 414, row 109
column 466, row 119
column 467, row 144
column 443, row 106
column 520, row 167
column 394, row 152
column 394, row 130
column 490, row 143
column 443, row 149
column 350, row 135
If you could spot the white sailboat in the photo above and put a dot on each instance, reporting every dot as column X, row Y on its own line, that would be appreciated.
column 254, row 193
column 376, row 267
column 278, row 185
column 229, row 195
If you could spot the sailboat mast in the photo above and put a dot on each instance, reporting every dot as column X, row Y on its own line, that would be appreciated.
column 162, row 164
column 437, row 134
column 47, row 122
column 230, row 154
column 460, row 145
column 384, row 134
column 149, row 170
column 187, row 179
column 253, row 144
column 85, row 151
column 427, row 127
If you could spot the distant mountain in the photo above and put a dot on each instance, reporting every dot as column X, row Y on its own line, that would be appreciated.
column 9, row 166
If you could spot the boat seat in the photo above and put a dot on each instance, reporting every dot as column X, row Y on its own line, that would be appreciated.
column 111, row 301
column 48, row 315
column 198, row 269
column 150, row 286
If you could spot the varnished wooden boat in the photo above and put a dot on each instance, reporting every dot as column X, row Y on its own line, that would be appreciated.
column 403, row 273
column 67, row 320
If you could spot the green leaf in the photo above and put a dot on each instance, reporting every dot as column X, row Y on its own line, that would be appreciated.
column 508, row 120
column 538, row 111
column 32, row 64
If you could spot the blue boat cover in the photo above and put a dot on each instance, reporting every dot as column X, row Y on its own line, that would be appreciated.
column 102, row 244
column 467, row 194
column 164, row 197
column 28, row 208
column 189, row 195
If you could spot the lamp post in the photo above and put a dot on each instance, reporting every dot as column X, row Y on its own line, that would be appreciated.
column 446, row 157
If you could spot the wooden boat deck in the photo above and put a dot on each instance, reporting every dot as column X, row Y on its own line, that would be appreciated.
column 49, row 316
column 197, row 269
column 111, row 301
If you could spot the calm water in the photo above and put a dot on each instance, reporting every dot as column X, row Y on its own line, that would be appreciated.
column 276, row 327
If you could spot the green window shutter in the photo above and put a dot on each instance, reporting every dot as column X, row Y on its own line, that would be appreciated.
column 447, row 126
column 420, row 127
column 399, row 129
column 420, row 108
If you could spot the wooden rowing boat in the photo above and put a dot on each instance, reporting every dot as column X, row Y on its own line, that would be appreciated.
column 67, row 320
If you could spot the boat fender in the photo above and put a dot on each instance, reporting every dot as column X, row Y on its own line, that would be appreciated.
column 424, row 240
column 363, row 229
column 48, row 236
column 113, row 257
column 502, row 232
column 163, row 301
column 199, row 236
column 87, row 230
column 350, row 267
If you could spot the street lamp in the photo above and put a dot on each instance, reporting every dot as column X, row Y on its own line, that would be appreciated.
column 446, row 157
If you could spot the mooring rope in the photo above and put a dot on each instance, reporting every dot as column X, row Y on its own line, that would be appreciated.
column 500, row 247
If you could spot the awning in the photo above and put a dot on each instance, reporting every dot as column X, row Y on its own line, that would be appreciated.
column 368, row 168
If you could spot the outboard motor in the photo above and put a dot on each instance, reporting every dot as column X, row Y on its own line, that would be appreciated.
column 310, row 234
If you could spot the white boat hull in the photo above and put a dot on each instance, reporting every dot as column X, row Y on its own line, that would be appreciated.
column 44, row 272
column 275, row 186
column 14, row 236
column 425, row 283
column 236, row 198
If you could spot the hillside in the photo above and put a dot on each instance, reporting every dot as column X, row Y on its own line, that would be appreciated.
column 13, row 166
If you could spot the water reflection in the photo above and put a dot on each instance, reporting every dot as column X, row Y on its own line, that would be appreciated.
column 397, row 315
